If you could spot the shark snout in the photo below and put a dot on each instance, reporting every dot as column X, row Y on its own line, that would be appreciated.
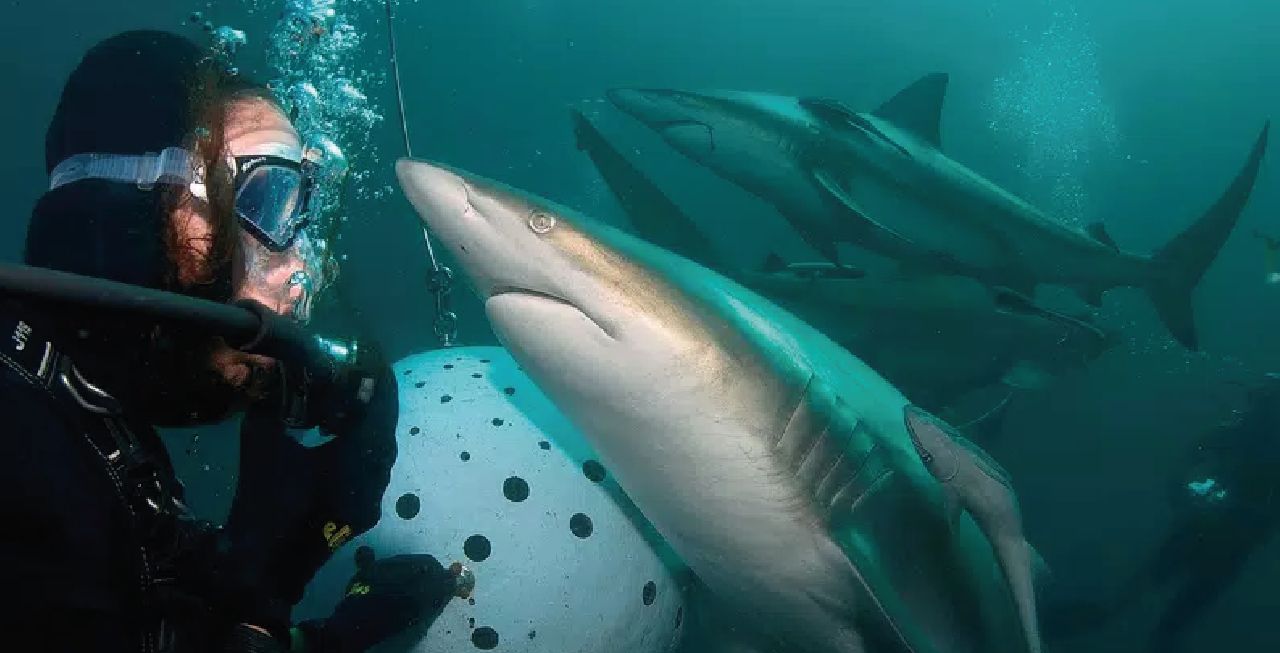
column 673, row 114
column 432, row 187
column 452, row 206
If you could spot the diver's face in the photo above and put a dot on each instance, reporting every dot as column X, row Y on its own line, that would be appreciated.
column 254, row 126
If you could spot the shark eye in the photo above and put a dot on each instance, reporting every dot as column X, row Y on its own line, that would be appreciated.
column 541, row 223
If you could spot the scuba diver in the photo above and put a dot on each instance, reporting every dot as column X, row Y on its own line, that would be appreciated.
column 169, row 172
column 1224, row 510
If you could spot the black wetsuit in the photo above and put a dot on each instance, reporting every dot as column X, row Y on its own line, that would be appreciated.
column 1225, row 509
column 89, row 563
column 74, row 568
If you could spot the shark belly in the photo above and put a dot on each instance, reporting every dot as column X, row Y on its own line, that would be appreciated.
column 737, row 515
column 786, row 495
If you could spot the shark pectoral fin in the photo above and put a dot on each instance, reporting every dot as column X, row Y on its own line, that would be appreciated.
column 836, row 192
column 583, row 130
column 994, row 506
column 984, row 460
column 983, row 489
column 1040, row 568
column 952, row 507
column 918, row 107
column 1026, row 375
column 884, row 619
column 1099, row 233
column 1012, row 301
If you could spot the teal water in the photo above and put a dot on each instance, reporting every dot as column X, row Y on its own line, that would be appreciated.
column 1132, row 113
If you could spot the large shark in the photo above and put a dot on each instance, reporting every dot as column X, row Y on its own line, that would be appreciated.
column 880, row 180
column 778, row 466
column 935, row 337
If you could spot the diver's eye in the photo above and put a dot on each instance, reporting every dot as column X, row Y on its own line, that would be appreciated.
column 541, row 223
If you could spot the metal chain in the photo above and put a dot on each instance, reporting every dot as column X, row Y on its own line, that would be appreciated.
column 440, row 281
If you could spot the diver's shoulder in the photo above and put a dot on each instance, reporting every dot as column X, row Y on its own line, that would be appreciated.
column 23, row 399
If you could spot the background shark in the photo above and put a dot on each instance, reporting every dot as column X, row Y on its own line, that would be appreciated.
column 935, row 337
column 777, row 465
column 881, row 181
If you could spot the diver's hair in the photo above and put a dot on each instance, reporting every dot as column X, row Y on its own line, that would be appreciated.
column 213, row 91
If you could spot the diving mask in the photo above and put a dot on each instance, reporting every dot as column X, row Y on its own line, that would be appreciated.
column 282, row 267
column 272, row 194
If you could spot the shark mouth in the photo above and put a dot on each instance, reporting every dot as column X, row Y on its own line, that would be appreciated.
column 552, row 298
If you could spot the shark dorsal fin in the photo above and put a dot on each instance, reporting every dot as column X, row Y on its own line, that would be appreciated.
column 918, row 107
column 1099, row 233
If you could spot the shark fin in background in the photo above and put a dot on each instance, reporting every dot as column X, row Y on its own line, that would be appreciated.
column 773, row 264
column 1181, row 263
column 1013, row 301
column 1098, row 232
column 982, row 488
column 654, row 216
column 1026, row 375
column 988, row 426
column 918, row 108
column 1091, row 295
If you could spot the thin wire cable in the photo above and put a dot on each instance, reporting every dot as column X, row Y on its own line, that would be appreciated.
column 395, row 69
column 441, row 278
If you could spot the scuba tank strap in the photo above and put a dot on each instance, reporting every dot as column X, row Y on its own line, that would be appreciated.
column 27, row 353
column 142, row 485
column 33, row 357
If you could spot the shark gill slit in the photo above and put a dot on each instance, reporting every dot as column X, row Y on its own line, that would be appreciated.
column 820, row 491
column 802, row 466
column 844, row 499
column 792, row 415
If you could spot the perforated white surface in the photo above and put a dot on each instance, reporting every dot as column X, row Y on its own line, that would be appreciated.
column 543, row 587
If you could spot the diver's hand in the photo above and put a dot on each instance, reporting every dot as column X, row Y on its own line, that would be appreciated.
column 295, row 506
column 384, row 598
column 336, row 395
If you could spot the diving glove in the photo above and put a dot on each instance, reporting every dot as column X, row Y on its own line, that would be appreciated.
column 384, row 598
column 295, row 506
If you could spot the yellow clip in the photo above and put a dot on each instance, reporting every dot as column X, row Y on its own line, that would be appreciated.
column 335, row 536
column 358, row 588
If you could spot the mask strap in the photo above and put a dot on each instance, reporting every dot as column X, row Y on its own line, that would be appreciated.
column 173, row 165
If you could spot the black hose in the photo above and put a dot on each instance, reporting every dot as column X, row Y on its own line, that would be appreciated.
column 247, row 326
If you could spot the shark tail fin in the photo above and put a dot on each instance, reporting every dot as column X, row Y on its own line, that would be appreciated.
column 1181, row 263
